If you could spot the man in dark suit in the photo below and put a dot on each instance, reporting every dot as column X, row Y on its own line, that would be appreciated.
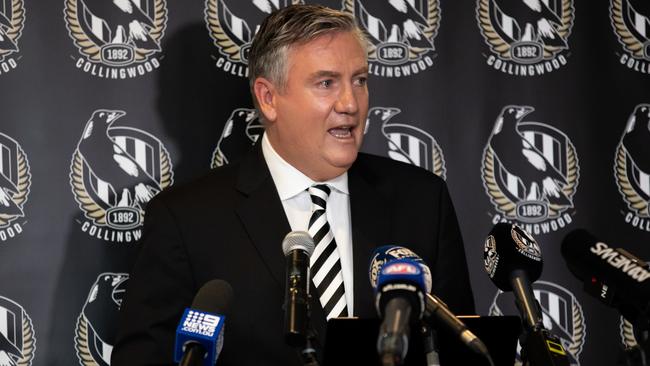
column 308, row 67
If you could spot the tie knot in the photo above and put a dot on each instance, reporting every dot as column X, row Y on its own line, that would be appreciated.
column 319, row 194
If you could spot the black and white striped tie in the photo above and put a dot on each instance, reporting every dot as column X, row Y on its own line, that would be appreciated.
column 325, row 262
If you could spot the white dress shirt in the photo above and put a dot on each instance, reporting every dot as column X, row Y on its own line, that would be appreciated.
column 292, row 188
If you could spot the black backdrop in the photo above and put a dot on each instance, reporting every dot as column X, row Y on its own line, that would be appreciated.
column 67, row 227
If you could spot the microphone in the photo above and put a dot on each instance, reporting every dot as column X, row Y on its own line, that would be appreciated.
column 400, row 302
column 199, row 336
column 297, row 247
column 386, row 253
column 613, row 275
column 513, row 260
column 436, row 311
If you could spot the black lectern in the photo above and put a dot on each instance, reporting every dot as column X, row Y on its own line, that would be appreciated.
column 349, row 340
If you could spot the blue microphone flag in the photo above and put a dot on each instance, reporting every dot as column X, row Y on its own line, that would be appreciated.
column 203, row 328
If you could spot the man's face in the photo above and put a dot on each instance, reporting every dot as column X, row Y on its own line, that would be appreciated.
column 321, row 113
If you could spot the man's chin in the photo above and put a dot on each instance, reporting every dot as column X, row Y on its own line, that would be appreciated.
column 344, row 161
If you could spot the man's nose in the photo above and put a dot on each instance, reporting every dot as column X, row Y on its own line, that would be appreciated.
column 347, row 100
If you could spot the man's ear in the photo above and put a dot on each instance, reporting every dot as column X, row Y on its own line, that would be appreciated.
column 265, row 93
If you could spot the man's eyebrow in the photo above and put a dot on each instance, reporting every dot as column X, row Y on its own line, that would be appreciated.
column 363, row 70
column 335, row 74
column 325, row 73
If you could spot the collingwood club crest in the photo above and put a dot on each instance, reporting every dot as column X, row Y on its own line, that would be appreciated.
column 526, row 37
column 631, row 22
column 561, row 312
column 17, row 340
column 12, row 20
column 232, row 25
column 116, row 39
column 96, row 325
column 115, row 171
column 632, row 167
column 530, row 172
column 242, row 130
column 401, row 34
column 15, row 180
column 406, row 143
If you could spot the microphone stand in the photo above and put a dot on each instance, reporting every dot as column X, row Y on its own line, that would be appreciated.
column 308, row 353
column 538, row 346
column 430, row 346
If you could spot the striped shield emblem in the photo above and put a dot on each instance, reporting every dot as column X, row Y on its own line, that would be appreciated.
column 238, row 26
column 373, row 25
column 508, row 28
column 144, row 149
column 638, row 24
column 6, row 8
column 505, row 26
column 373, row 22
column 11, row 323
column 409, row 144
column 639, row 179
column 98, row 28
column 241, row 27
column 561, row 312
column 8, row 158
column 549, row 141
column 559, row 308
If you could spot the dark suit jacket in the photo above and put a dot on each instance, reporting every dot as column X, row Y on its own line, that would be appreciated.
column 230, row 224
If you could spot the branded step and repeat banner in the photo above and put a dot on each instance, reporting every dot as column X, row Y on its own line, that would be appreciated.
column 535, row 112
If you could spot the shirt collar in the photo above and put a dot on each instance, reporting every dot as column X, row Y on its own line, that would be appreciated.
column 290, row 181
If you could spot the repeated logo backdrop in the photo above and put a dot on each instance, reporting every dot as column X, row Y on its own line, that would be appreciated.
column 534, row 112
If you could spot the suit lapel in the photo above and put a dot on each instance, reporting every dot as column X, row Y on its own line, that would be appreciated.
column 370, row 229
column 261, row 212
column 263, row 218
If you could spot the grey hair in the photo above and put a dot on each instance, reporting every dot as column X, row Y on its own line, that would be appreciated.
column 288, row 27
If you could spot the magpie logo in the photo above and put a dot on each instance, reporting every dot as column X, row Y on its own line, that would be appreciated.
column 562, row 315
column 17, row 340
column 526, row 37
column 401, row 34
column 118, row 39
column 526, row 245
column 530, row 172
column 632, row 167
column 96, row 325
column 12, row 21
column 490, row 256
column 631, row 22
column 242, row 130
column 233, row 24
column 405, row 142
column 15, row 180
column 115, row 171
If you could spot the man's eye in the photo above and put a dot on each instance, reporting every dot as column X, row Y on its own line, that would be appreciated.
column 325, row 83
column 362, row 81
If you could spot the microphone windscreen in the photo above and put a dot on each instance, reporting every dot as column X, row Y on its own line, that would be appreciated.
column 509, row 248
column 215, row 296
column 298, row 240
column 593, row 261
column 387, row 253
column 576, row 244
column 402, row 278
